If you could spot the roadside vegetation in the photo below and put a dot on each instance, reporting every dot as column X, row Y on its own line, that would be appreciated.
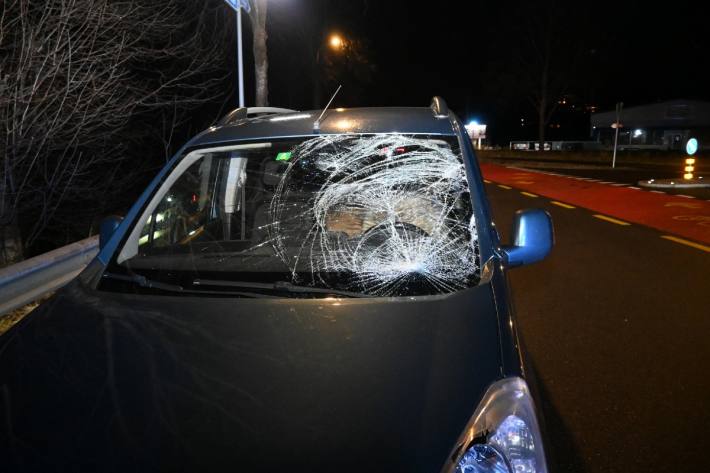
column 94, row 95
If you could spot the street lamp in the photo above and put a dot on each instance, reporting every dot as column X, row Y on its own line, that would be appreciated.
column 335, row 41
column 337, row 44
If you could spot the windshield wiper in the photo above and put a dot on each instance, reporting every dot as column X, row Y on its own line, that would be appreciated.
column 143, row 281
column 277, row 286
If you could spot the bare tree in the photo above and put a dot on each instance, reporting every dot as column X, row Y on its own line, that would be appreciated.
column 76, row 77
column 546, row 79
column 547, row 51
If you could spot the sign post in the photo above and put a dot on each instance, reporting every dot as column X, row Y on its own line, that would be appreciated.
column 237, row 6
column 690, row 147
column 617, row 124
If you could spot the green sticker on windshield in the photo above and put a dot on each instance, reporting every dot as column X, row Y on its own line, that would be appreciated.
column 285, row 156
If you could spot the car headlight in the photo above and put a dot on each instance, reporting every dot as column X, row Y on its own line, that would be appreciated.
column 503, row 435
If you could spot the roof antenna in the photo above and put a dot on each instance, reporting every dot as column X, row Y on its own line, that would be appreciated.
column 316, row 124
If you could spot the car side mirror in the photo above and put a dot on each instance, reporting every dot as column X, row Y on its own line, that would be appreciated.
column 533, row 238
column 106, row 229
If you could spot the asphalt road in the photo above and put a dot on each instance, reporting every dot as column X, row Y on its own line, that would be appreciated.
column 616, row 322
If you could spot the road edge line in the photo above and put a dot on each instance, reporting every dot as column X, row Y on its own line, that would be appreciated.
column 611, row 220
column 562, row 204
column 685, row 242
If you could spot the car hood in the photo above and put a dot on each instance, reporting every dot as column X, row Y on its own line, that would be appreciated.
column 104, row 381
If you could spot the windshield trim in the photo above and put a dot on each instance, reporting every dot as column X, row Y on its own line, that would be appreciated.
column 256, row 139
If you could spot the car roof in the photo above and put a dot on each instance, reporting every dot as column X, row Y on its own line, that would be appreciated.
column 408, row 120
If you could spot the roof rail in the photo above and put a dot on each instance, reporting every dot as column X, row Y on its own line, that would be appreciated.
column 236, row 114
column 242, row 113
column 268, row 110
column 439, row 107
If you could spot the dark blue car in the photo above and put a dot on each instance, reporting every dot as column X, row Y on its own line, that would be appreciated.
column 295, row 291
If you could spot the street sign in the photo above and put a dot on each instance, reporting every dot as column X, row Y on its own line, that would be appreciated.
column 237, row 4
column 691, row 146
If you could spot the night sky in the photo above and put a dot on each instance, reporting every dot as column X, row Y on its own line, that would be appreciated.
column 467, row 52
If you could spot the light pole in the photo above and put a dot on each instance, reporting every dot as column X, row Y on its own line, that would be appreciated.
column 237, row 6
column 240, row 57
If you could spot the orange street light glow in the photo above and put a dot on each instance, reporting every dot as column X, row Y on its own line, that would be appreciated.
column 336, row 42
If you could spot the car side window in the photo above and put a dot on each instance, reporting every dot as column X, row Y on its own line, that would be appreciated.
column 185, row 210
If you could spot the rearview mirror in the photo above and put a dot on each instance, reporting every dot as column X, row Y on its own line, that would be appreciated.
column 106, row 229
column 533, row 238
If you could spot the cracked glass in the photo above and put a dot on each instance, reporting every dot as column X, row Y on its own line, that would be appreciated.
column 377, row 215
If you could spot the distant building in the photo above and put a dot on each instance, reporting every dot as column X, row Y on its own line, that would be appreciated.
column 664, row 125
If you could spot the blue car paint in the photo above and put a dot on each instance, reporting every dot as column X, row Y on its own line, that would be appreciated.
column 456, row 333
column 534, row 237
column 488, row 238
column 526, row 250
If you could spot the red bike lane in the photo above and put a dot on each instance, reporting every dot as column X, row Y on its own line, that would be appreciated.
column 677, row 215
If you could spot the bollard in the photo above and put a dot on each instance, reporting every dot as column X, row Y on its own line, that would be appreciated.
column 690, row 147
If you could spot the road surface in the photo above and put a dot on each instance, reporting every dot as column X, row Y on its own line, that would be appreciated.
column 679, row 215
column 617, row 322
column 626, row 174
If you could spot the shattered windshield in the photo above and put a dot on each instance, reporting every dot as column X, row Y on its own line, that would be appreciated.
column 380, row 215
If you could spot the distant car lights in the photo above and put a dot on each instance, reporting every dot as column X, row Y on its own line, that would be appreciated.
column 691, row 147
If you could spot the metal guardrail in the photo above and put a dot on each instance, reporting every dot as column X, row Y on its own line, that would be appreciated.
column 31, row 279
